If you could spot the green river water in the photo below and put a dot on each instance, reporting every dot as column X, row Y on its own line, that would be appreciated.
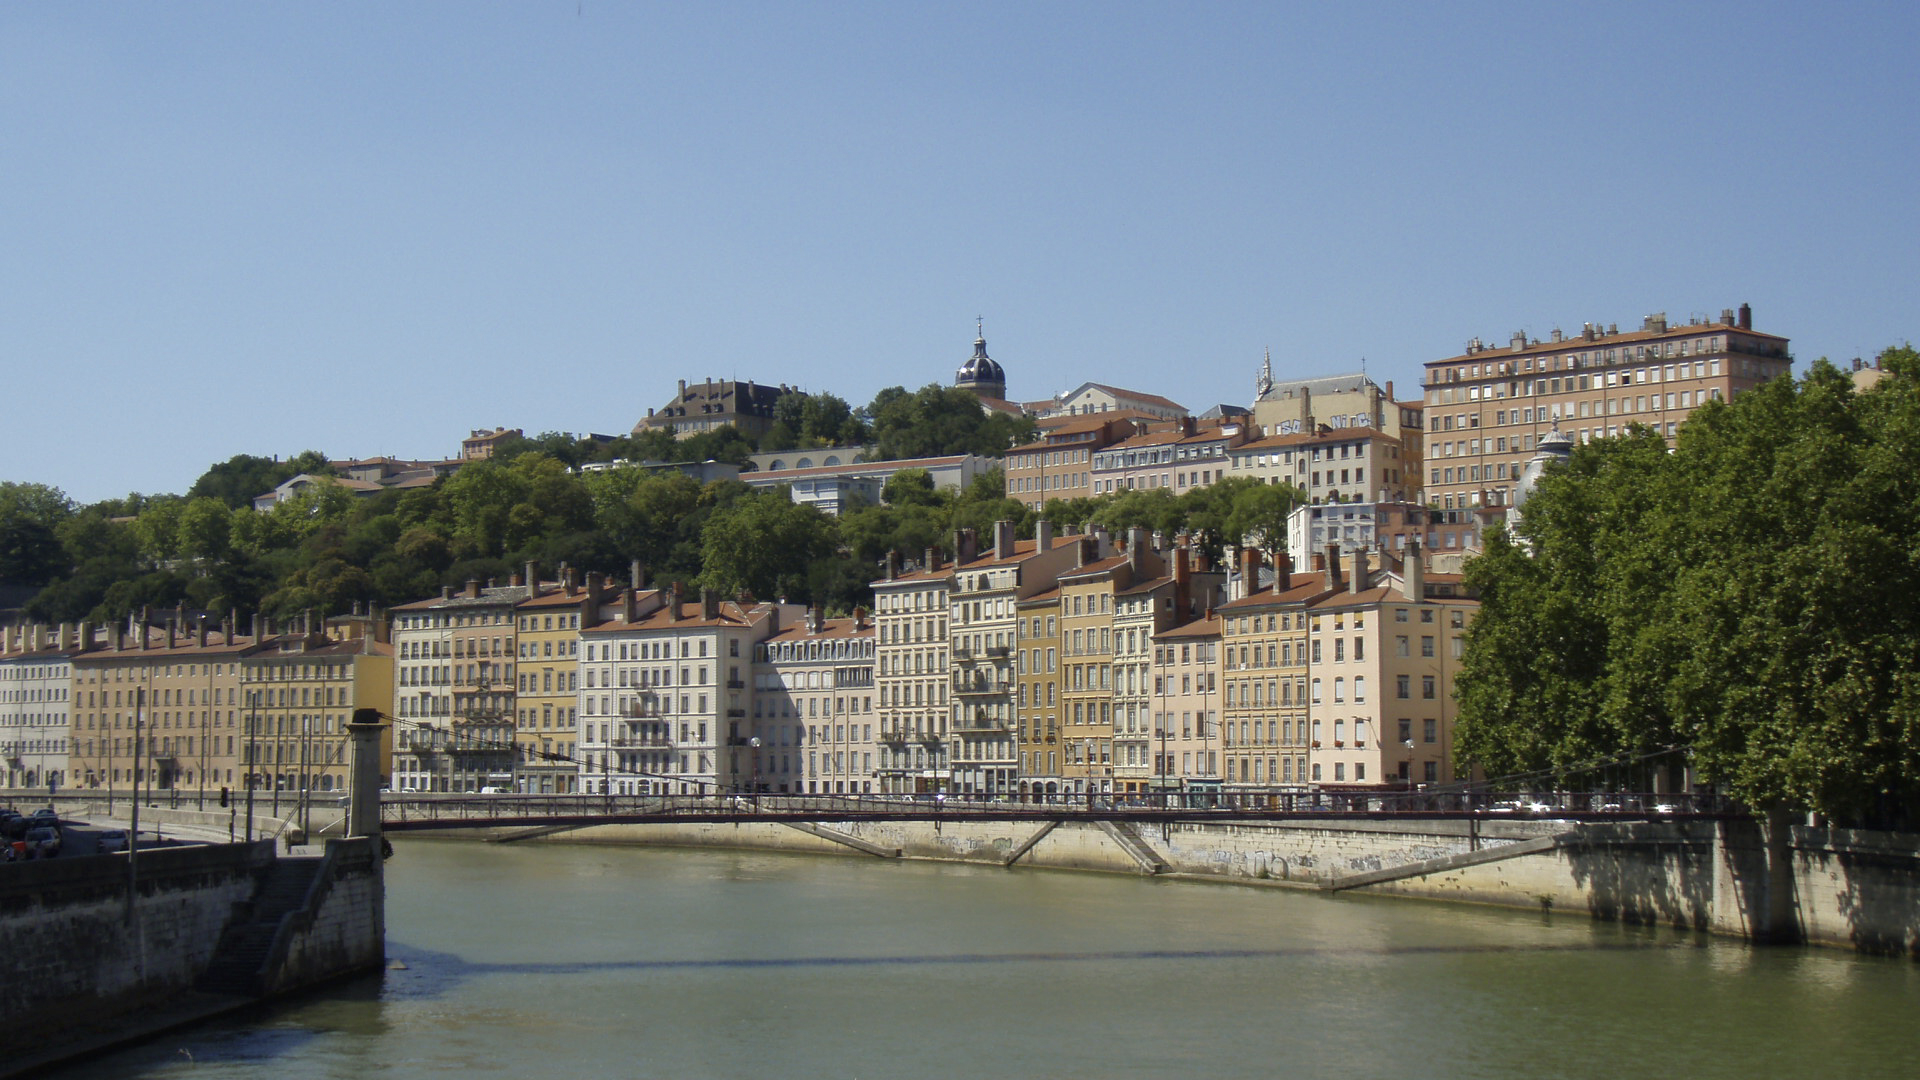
column 580, row 961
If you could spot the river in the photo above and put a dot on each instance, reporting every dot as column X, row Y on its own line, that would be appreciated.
column 581, row 961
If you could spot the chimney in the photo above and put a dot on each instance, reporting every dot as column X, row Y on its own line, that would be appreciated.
column 201, row 637
column 146, row 628
column 473, row 589
column 816, row 618
column 1413, row 573
column 1137, row 552
column 1249, row 572
column 1080, row 546
column 119, row 637
column 709, row 604
column 1043, row 535
column 965, row 546
column 673, row 604
column 1003, row 539
column 1103, row 541
column 1746, row 316
column 1332, row 564
column 893, row 564
column 931, row 560
column 637, row 575
column 590, row 607
column 1182, row 581
column 533, row 579
column 256, row 626
column 1359, row 582
column 513, row 580
column 85, row 636
column 446, row 592
column 1390, row 396
column 629, row 605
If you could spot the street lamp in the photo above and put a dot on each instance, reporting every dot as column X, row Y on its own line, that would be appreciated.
column 754, row 742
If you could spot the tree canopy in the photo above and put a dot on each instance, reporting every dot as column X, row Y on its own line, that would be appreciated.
column 1747, row 595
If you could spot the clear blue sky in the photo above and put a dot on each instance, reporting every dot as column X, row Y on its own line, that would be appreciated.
column 368, row 228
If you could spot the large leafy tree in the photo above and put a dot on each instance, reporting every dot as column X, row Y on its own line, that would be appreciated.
column 1747, row 596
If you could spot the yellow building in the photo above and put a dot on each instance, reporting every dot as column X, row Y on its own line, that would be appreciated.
column 1039, row 693
column 1264, row 733
column 547, row 717
column 298, row 691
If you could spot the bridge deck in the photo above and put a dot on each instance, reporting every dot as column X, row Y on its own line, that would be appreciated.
column 407, row 814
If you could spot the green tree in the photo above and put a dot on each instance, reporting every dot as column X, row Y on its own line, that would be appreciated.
column 765, row 544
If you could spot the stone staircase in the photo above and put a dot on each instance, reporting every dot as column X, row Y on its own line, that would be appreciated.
column 243, row 949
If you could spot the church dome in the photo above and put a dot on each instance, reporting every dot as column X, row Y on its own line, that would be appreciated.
column 980, row 373
column 980, row 367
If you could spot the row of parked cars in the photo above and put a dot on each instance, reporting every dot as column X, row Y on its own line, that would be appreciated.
column 31, row 836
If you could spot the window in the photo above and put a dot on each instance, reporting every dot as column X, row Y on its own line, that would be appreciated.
column 1427, row 687
column 1403, row 687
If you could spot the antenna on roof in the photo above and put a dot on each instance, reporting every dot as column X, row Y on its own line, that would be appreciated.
column 979, row 326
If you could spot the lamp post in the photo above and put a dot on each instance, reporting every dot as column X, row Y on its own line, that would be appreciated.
column 754, row 742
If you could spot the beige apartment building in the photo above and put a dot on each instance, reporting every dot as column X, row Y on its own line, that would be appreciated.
column 1333, row 465
column 1487, row 408
column 454, row 689
column 911, row 609
column 1087, row 597
column 1060, row 464
column 1187, row 696
column 1264, row 665
column 1179, row 457
column 299, row 690
column 1385, row 657
column 179, row 687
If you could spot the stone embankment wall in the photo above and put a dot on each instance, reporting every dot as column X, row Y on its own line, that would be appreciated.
column 1740, row 878
column 84, row 968
column 341, row 930
column 72, row 951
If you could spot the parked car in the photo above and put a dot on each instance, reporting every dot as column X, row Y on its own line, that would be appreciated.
column 13, row 825
column 111, row 841
column 44, row 816
column 43, row 842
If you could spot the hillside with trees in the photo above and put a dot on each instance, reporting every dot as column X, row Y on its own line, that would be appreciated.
column 327, row 548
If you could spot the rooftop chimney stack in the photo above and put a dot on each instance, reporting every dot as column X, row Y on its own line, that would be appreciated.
column 637, row 575
column 1043, row 535
column 1003, row 539
column 1359, row 582
column 709, row 604
column 1413, row 573
column 1746, row 317
column 533, row 579
column 1332, row 563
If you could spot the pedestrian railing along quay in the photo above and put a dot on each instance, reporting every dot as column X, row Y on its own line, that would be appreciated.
column 402, row 811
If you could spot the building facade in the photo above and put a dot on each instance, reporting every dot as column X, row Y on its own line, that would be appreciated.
column 36, row 689
column 1487, row 408
column 814, row 729
column 911, row 609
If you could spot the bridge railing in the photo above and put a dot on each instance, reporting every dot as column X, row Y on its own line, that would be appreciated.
column 416, row 807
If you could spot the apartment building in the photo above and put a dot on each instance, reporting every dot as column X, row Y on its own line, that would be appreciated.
column 1038, row 697
column 814, row 720
column 984, row 635
column 1487, row 408
column 1334, row 402
column 1384, row 526
column 299, row 690
column 1265, row 672
column 665, row 700
column 1159, row 597
column 1386, row 649
column 1059, row 465
column 1180, row 456
column 911, row 609
column 1332, row 465
column 158, row 706
column 546, row 732
column 454, row 689
column 1186, row 706
column 36, row 688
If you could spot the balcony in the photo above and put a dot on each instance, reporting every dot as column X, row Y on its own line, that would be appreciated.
column 978, row 688
column 738, row 714
column 736, row 684
column 999, row 652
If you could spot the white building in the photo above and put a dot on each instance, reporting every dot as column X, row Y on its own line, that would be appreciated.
column 814, row 722
column 36, row 679
column 910, row 612
column 665, row 696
